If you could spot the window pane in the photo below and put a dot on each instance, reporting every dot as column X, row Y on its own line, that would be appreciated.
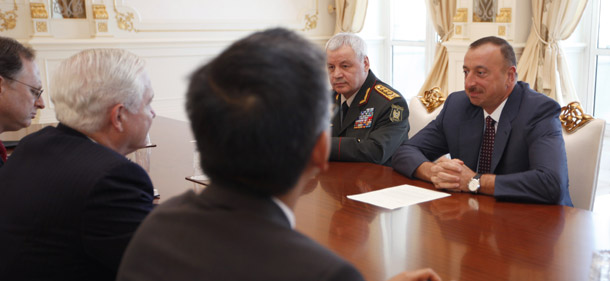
column 604, row 25
column 408, row 69
column 409, row 20
column 602, row 88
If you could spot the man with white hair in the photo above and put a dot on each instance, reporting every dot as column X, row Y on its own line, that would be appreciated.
column 70, row 199
column 372, row 119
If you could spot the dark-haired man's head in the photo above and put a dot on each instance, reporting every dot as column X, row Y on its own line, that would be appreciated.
column 260, row 112
column 490, row 72
column 20, row 85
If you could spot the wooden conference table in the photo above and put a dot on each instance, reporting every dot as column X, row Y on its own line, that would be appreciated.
column 462, row 237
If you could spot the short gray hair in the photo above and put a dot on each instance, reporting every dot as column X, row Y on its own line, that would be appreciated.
column 88, row 84
column 348, row 39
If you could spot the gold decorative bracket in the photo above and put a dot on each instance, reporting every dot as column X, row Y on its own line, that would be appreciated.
column 432, row 99
column 38, row 11
column 461, row 15
column 100, row 20
column 40, row 19
column 573, row 117
column 504, row 15
column 9, row 18
column 99, row 12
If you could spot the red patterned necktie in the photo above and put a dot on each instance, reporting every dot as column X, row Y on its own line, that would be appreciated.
column 2, row 152
column 488, row 146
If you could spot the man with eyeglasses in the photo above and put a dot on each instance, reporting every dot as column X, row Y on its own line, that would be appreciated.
column 20, row 88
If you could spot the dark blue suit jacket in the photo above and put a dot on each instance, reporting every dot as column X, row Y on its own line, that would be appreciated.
column 68, row 208
column 225, row 234
column 529, row 157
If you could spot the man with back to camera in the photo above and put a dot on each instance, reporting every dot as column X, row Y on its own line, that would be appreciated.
column 20, row 88
column 505, row 139
column 372, row 120
column 70, row 199
column 241, row 227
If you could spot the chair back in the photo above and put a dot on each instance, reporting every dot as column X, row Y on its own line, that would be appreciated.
column 583, row 136
column 424, row 109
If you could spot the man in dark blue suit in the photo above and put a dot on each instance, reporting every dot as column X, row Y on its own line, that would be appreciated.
column 69, row 198
column 504, row 139
column 260, row 114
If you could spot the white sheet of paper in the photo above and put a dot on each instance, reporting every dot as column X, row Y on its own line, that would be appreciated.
column 398, row 196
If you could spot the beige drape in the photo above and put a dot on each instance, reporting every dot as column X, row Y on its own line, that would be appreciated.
column 441, row 13
column 350, row 15
column 543, row 64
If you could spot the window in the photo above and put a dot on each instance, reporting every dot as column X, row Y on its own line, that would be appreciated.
column 601, row 59
column 412, row 43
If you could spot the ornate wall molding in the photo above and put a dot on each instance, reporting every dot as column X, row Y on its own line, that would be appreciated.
column 38, row 11
column 125, row 21
column 9, row 18
column 311, row 20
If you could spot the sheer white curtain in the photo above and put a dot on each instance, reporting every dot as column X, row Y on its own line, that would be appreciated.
column 350, row 15
column 441, row 13
column 543, row 64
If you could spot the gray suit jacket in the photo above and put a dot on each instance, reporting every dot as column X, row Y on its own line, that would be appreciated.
column 224, row 234
column 529, row 157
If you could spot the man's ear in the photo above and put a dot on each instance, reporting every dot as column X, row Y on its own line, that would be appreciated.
column 3, row 84
column 366, row 64
column 321, row 151
column 512, row 76
column 117, row 117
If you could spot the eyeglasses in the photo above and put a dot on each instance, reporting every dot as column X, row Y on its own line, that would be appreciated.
column 36, row 92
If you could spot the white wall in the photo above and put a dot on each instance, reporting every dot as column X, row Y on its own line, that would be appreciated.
column 174, row 37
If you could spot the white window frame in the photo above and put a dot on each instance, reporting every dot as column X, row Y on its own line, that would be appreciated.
column 594, row 52
column 429, row 44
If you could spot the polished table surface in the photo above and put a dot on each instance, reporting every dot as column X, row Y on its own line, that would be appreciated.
column 462, row 237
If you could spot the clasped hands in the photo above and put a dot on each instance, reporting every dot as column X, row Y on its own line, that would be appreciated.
column 451, row 174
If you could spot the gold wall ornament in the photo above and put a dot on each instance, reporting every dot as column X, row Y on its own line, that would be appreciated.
column 461, row 15
column 501, row 30
column 38, row 11
column 573, row 117
column 41, row 26
column 311, row 22
column 9, row 18
column 99, row 12
column 125, row 22
column 504, row 15
column 458, row 29
column 102, row 27
column 432, row 99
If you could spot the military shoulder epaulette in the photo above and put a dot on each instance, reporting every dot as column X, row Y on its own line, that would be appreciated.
column 386, row 92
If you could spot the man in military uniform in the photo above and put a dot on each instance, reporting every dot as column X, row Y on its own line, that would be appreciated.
column 372, row 119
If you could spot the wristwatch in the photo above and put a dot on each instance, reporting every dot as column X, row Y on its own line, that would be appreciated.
column 474, row 184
